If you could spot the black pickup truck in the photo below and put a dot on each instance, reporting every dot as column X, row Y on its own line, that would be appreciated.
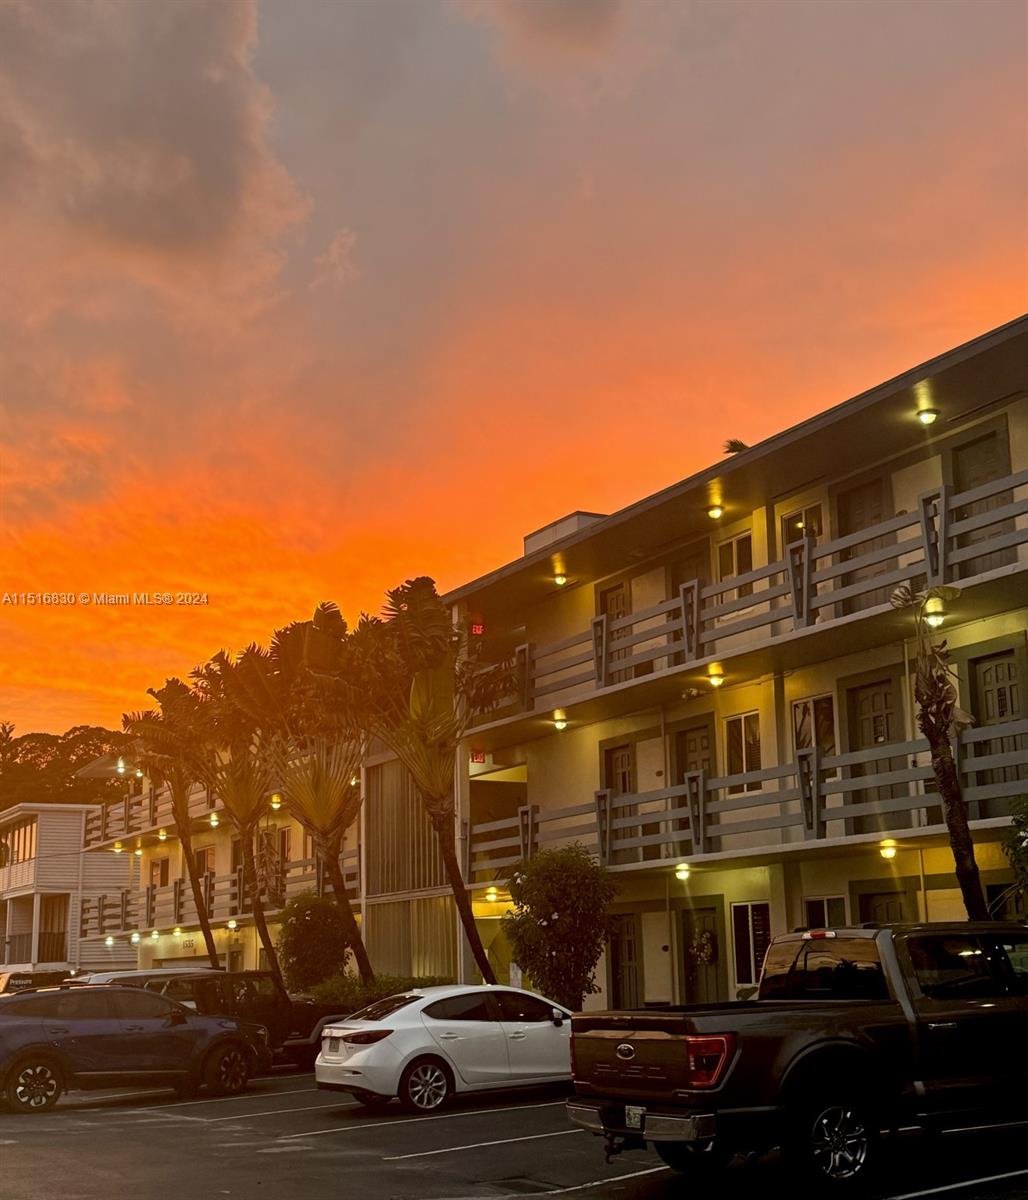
column 854, row 1035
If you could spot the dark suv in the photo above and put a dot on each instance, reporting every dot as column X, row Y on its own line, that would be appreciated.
column 56, row 1039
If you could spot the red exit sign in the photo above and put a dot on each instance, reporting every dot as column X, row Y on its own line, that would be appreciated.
column 478, row 756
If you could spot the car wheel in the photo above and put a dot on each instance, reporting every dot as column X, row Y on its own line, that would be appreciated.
column 227, row 1070
column 835, row 1143
column 370, row 1100
column 699, row 1163
column 425, row 1086
column 34, row 1085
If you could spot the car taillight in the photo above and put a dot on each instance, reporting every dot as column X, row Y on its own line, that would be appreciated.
column 366, row 1037
column 708, row 1057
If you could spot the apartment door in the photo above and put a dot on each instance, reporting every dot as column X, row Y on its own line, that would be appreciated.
column 875, row 720
column 619, row 780
column 700, row 956
column 694, row 751
column 999, row 698
column 53, row 928
column 614, row 605
column 625, row 951
column 863, row 507
column 981, row 461
column 883, row 908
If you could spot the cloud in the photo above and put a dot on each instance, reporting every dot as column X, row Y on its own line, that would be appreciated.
column 560, row 26
column 336, row 266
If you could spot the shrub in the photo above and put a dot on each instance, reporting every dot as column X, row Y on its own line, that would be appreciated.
column 560, row 922
column 350, row 994
column 312, row 942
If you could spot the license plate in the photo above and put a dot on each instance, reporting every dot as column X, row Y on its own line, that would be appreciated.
column 634, row 1116
column 333, row 1045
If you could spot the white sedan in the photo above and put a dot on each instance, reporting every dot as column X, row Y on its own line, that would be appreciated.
column 426, row 1044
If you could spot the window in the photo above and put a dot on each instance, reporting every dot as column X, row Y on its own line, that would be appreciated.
column 736, row 558
column 142, row 1006
column 751, row 930
column 824, row 969
column 805, row 522
column 813, row 724
column 514, row 1006
column 1011, row 953
column 953, row 965
column 618, row 770
column 285, row 844
column 383, row 1008
column 159, row 868
column 308, row 845
column 204, row 859
column 742, row 745
column 473, row 1007
column 824, row 912
column 82, row 1004
column 21, row 841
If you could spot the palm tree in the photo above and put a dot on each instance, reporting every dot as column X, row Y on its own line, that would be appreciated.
column 417, row 684
column 241, row 769
column 318, row 752
column 939, row 718
column 170, row 744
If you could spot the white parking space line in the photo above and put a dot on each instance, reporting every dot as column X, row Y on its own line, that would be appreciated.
column 229, row 1099
column 532, row 1137
column 610, row 1179
column 964, row 1183
column 274, row 1112
column 475, row 1112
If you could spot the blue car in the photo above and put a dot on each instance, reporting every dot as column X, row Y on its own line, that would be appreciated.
column 56, row 1039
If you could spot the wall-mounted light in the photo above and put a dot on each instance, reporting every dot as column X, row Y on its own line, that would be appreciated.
column 715, row 675
column 934, row 611
column 887, row 849
column 233, row 924
column 108, row 940
column 560, row 579
column 134, row 939
column 560, row 720
column 276, row 800
column 715, row 512
column 214, row 820
column 927, row 416
column 682, row 872
column 162, row 835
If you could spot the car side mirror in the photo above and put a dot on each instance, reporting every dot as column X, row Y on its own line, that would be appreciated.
column 558, row 1017
column 177, row 1018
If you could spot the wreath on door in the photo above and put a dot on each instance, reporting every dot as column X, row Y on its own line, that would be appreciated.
column 704, row 948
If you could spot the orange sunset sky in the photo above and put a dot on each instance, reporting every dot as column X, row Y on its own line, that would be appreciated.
column 299, row 299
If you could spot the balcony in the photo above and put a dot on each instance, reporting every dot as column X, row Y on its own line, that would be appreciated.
column 226, row 896
column 887, row 791
column 813, row 603
column 18, row 949
column 147, row 812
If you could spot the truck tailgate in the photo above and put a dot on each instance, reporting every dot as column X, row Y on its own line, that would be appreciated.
column 637, row 1055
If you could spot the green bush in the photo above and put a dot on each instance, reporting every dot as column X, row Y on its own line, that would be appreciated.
column 350, row 994
column 312, row 942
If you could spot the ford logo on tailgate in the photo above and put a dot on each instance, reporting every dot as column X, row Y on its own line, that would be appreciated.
column 625, row 1051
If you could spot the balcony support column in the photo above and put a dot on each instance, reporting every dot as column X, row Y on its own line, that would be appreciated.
column 524, row 658
column 603, row 826
column 689, row 600
column 801, row 567
column 37, row 900
column 696, row 793
column 808, row 779
column 528, row 829
column 934, row 509
column 601, row 641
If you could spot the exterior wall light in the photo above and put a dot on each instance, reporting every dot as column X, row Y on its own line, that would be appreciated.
column 934, row 611
column 560, row 720
column 682, row 872
column 276, row 801
column 715, row 512
column 162, row 835
column 560, row 580
column 108, row 940
column 715, row 675
column 233, row 924
column 927, row 416
column 214, row 820
column 887, row 849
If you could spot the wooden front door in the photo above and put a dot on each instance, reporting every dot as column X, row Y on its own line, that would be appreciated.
column 619, row 780
column 884, row 908
column 875, row 720
column 981, row 461
column 614, row 605
column 998, row 699
column 860, row 508
column 701, row 980
column 624, row 949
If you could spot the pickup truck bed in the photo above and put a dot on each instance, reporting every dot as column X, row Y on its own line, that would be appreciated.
column 854, row 1033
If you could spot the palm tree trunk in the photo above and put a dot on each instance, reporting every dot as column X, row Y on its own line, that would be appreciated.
column 954, row 809
column 257, row 901
column 185, row 838
column 343, row 901
column 443, row 825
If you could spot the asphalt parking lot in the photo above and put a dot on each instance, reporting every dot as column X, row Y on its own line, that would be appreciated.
column 284, row 1138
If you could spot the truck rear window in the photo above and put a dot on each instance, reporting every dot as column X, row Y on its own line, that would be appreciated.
column 823, row 969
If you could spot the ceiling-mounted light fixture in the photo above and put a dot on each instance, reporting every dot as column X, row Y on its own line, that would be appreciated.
column 934, row 611
column 134, row 939
column 214, row 820
column 682, row 872
column 233, row 923
column 560, row 720
column 492, row 895
column 715, row 675
column 560, row 579
column 927, row 416
column 715, row 512
column 276, row 800
column 154, row 935
column 108, row 940
column 887, row 849
column 162, row 835
column 118, row 847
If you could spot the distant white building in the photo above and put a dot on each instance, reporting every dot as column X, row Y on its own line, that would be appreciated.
column 44, row 882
